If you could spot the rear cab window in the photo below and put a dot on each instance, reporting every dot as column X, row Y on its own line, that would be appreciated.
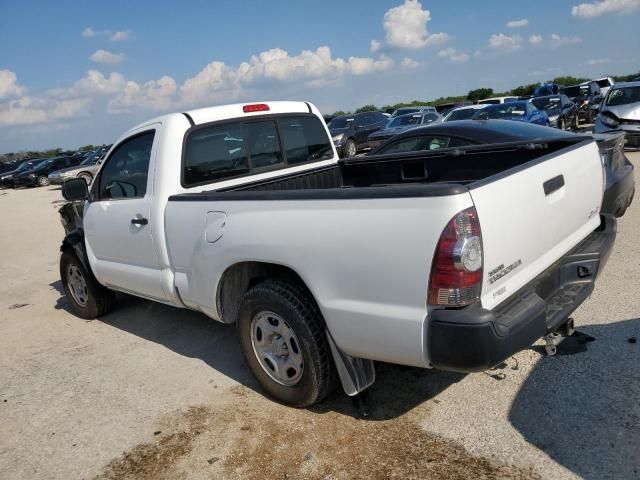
column 236, row 148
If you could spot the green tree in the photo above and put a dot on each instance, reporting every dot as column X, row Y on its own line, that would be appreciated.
column 479, row 94
column 568, row 80
column 524, row 90
column 367, row 108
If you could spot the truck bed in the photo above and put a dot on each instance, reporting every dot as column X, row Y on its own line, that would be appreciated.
column 442, row 170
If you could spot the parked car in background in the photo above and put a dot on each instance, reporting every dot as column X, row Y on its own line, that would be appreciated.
column 400, row 124
column 521, row 111
column 86, row 170
column 38, row 175
column 546, row 89
column 605, row 84
column 462, row 113
column 497, row 100
column 620, row 183
column 587, row 97
column 350, row 132
column 408, row 110
column 620, row 110
column 11, row 165
column 562, row 112
column 445, row 108
column 6, row 179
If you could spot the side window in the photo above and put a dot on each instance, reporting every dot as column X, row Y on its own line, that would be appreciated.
column 304, row 139
column 125, row 172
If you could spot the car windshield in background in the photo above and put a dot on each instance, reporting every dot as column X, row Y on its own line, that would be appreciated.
column 462, row 114
column 405, row 120
column 92, row 160
column 504, row 110
column 577, row 91
column 43, row 163
column 430, row 117
column 340, row 122
column 542, row 103
column 26, row 166
column 603, row 83
column 406, row 111
column 623, row 96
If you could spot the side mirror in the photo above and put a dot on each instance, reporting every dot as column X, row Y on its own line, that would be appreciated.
column 75, row 189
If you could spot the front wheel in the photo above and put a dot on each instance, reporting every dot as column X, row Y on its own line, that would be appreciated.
column 350, row 149
column 284, row 343
column 87, row 298
column 43, row 181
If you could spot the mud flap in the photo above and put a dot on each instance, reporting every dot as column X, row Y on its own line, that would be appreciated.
column 356, row 374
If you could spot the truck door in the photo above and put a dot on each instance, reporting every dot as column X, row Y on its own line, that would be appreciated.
column 116, row 219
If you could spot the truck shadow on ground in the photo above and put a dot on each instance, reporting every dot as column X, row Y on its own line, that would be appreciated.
column 582, row 407
column 397, row 389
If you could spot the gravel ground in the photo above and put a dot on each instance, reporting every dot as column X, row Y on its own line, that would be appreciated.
column 150, row 391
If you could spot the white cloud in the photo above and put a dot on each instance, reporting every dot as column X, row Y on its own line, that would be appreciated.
column 120, row 36
column 95, row 83
column 103, row 56
column 406, row 26
column 597, row 8
column 218, row 80
column 9, row 84
column 375, row 45
column 517, row 23
column 453, row 55
column 154, row 95
column 598, row 61
column 559, row 41
column 408, row 63
column 535, row 39
column 505, row 43
column 32, row 110
column 90, row 32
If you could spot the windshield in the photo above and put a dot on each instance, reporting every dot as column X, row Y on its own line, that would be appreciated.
column 504, row 110
column 43, row 163
column 91, row 160
column 461, row 114
column 405, row 120
column 546, row 103
column 576, row 91
column 341, row 122
column 26, row 165
column 604, row 83
column 623, row 96
column 405, row 111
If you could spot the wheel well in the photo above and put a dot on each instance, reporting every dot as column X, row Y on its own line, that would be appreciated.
column 239, row 278
column 84, row 173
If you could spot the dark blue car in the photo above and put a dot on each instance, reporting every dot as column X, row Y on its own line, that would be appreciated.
column 519, row 111
column 401, row 124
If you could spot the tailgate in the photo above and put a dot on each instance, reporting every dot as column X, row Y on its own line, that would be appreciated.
column 532, row 215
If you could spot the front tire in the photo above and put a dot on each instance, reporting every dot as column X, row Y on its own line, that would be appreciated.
column 350, row 149
column 87, row 298
column 284, row 343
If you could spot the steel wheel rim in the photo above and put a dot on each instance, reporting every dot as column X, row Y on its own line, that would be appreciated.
column 43, row 181
column 77, row 285
column 277, row 348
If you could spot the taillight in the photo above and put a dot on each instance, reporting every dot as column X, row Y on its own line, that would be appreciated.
column 456, row 271
column 255, row 107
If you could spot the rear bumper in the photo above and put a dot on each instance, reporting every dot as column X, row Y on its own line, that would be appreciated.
column 620, row 191
column 473, row 339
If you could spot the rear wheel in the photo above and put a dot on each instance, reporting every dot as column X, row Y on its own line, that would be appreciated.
column 576, row 122
column 284, row 342
column 350, row 149
column 43, row 181
column 87, row 298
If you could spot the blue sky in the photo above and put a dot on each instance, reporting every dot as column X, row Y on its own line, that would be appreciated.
column 73, row 73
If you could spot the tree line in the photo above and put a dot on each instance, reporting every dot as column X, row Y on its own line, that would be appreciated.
column 484, row 92
column 52, row 152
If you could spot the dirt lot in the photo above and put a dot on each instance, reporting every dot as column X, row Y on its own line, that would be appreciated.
column 150, row 391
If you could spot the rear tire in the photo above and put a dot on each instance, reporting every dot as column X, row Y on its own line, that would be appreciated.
column 87, row 298
column 284, row 343
column 43, row 181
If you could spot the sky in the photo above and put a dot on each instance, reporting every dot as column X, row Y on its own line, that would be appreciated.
column 80, row 72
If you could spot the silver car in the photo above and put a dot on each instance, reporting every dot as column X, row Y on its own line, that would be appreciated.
column 86, row 170
column 620, row 110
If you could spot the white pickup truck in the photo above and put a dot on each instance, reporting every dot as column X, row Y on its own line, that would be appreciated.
column 454, row 257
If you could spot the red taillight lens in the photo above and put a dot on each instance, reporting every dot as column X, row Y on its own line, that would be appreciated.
column 255, row 107
column 456, row 271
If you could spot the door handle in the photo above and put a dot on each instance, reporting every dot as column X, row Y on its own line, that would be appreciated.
column 553, row 184
column 139, row 221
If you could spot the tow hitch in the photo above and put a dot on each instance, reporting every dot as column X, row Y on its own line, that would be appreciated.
column 554, row 338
